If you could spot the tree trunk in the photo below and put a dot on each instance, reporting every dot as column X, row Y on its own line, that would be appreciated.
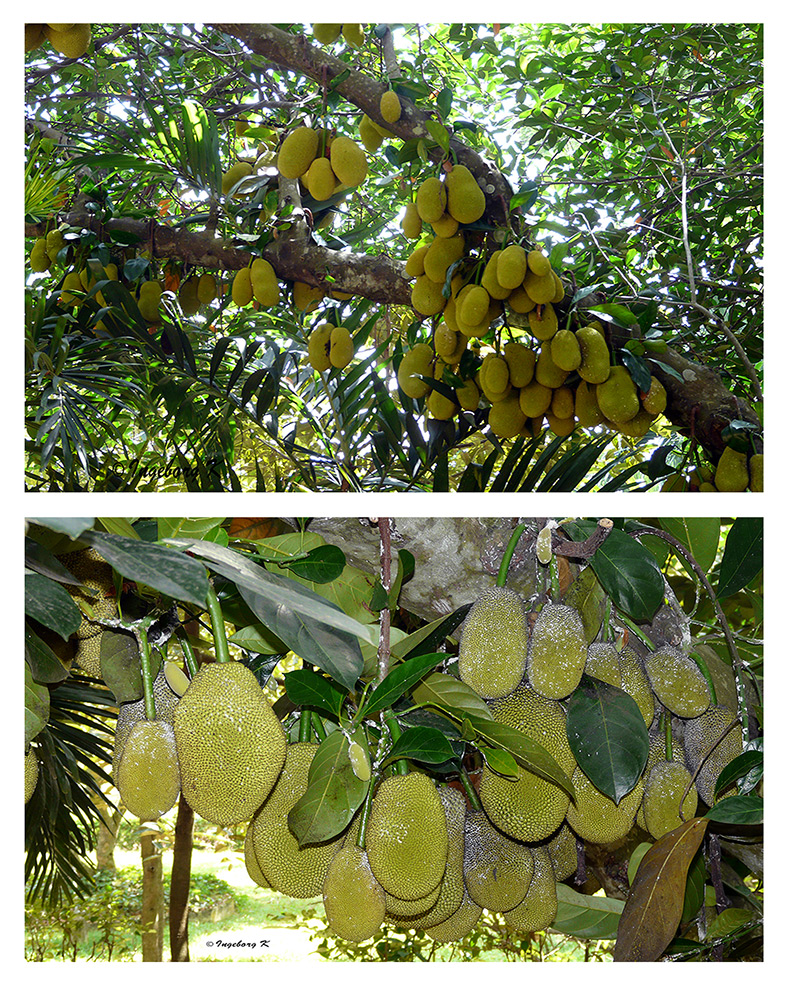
column 178, row 909
column 152, row 902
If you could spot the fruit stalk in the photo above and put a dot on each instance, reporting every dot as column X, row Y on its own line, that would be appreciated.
column 146, row 673
column 190, row 656
column 218, row 626
column 508, row 554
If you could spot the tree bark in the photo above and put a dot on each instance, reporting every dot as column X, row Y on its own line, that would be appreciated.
column 152, row 901
column 178, row 909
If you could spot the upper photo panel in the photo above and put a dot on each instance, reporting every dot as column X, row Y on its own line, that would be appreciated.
column 394, row 257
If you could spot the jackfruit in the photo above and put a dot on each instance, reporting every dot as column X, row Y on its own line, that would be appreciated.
column 431, row 199
column 565, row 350
column 542, row 320
column 264, row 283
column 561, row 426
column 320, row 347
column 34, row 36
column 538, row 262
column 255, row 873
column 31, row 774
column 188, row 296
column 506, row 418
column 326, row 34
column 655, row 399
column 546, row 372
column 677, row 682
column 88, row 566
column 497, row 870
column 297, row 151
column 71, row 283
column 39, row 258
column 427, row 297
column 305, row 297
column 520, row 302
column 529, row 808
column 231, row 745
column 242, row 289
column 617, row 395
column 603, row 663
column 557, row 651
column 468, row 395
column 417, row 361
column 234, row 174
column 446, row 226
column 149, row 296
column 637, row 427
column 699, row 737
column 411, row 222
column 348, row 161
column 459, row 925
column 511, row 267
column 353, row 34
column 520, row 363
column 586, row 405
column 562, row 403
column 540, row 287
column 634, row 681
column 493, row 643
column 442, row 253
column 595, row 355
column 371, row 138
column 289, row 868
column 757, row 473
column 415, row 265
column 390, row 109
column 538, row 909
column 406, row 838
column 340, row 351
column 320, row 179
column 595, row 817
column 494, row 376
column 440, row 406
column 472, row 305
column 465, row 200
column 55, row 242
column 148, row 772
column 490, row 281
column 664, row 788
column 132, row 712
column 563, row 853
column 534, row 399
column 731, row 475
column 354, row 901
column 406, row 911
column 449, row 345
column 73, row 42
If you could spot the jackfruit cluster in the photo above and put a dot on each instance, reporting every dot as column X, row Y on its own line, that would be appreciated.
column 327, row 34
column 735, row 472
column 324, row 165
column 70, row 40
column 88, row 566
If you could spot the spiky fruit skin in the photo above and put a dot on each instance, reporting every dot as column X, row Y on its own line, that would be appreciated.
column 677, row 682
column 538, row 909
column 242, row 289
column 431, row 200
column 91, row 570
column 417, row 361
column 297, row 151
column 31, row 774
column 462, row 922
column 73, row 42
column 348, row 161
column 603, row 663
column 264, row 283
column 511, row 268
column 427, row 296
column 320, row 179
column 699, row 736
column 496, row 869
column 520, row 363
column 231, row 745
column 255, row 873
column 465, row 200
column 557, row 651
column 595, row 365
column 132, row 712
column 664, row 789
column 563, row 854
column 493, row 643
column 529, row 808
column 354, row 901
column 289, row 868
column 595, row 817
column 757, row 473
column 148, row 772
column 655, row 399
column 412, row 222
column 634, row 681
column 732, row 475
column 506, row 418
column 340, row 351
column 390, row 107
column 320, row 347
column 406, row 837
column 443, row 252
column 534, row 399
column 617, row 395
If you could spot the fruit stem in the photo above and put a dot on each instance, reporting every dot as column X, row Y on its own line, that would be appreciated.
column 468, row 788
column 305, row 728
column 506, row 558
column 634, row 628
column 190, row 656
column 401, row 765
column 218, row 626
column 706, row 673
column 319, row 728
column 606, row 632
column 146, row 674
column 365, row 811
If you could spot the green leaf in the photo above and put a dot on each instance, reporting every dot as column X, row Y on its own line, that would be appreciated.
column 310, row 690
column 699, row 535
column 259, row 639
column 428, row 637
column 655, row 903
column 695, row 888
column 51, row 604
column 187, row 527
column 615, row 313
column 379, row 599
column 118, row 526
column 320, row 565
column 37, row 706
column 72, row 527
column 608, row 736
column 438, row 132
column 743, row 556
column 739, row 767
column 500, row 761
column 333, row 793
column 527, row 752
column 728, row 921
column 738, row 809
column 422, row 743
column 120, row 657
column 585, row 916
column 45, row 666
column 452, row 695
column 399, row 680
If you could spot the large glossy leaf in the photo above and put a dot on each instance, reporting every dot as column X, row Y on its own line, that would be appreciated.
column 333, row 792
column 72, row 527
column 188, row 527
column 399, row 680
column 310, row 690
column 656, row 899
column 45, row 666
column 739, row 809
column 585, row 916
column 37, row 706
column 452, row 695
column 740, row 766
column 699, row 535
column 743, row 556
column 423, row 744
column 49, row 603
column 608, row 736
column 526, row 751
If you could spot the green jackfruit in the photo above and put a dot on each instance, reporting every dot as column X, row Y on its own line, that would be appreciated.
column 34, row 36
column 562, row 402
column 431, row 199
column 493, row 643
column 465, row 200
column 242, row 289
column 354, row 901
column 71, row 283
column 561, row 426
column 371, row 138
column 664, row 789
column 634, row 682
column 468, row 395
column 148, row 772
column 540, row 287
column 565, row 350
column 39, row 258
column 542, row 320
column 557, row 651
column 497, row 870
column 305, row 297
column 595, row 817
column 416, row 361
column 289, row 868
column 490, row 281
column 637, row 427
column 326, row 34
column 511, row 267
column 538, row 262
column 440, row 406
column 617, row 395
column 427, row 296
column 348, row 161
column 655, row 399
column 446, row 226
column 390, row 109
column 459, row 925
column 563, row 853
column 603, row 663
column 132, row 712
column 411, row 222
column 507, row 419
column 732, row 475
column 406, row 837
column 55, row 242
column 320, row 347
column 188, row 296
column 231, row 745
column 297, row 152
column 595, row 355
column 757, row 473
column 677, row 682
column 441, row 254
column 700, row 734
column 448, row 344
column 535, row 399
column 235, row 173
column 88, row 566
column 320, row 179
column 494, row 377
column 73, row 42
column 538, row 909
column 546, row 372
column 353, row 34
column 255, row 873
column 31, row 774
column 529, row 808
column 520, row 363
column 415, row 265
column 472, row 305
column 264, row 283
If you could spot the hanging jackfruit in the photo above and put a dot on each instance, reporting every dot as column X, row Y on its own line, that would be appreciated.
column 348, row 161
column 496, row 869
column 31, row 774
column 390, row 109
column 634, row 682
column 72, row 42
column 462, row 922
column 493, row 643
column 731, row 475
column 465, row 199
column 557, row 651
column 148, row 772
column 603, row 663
column 416, row 361
column 297, row 151
column 664, row 790
column 595, row 817
column 700, row 735
column 354, row 901
column 264, row 283
column 677, row 682
column 595, row 366
column 538, row 909
column 617, row 395
column 340, row 350
column 507, row 419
